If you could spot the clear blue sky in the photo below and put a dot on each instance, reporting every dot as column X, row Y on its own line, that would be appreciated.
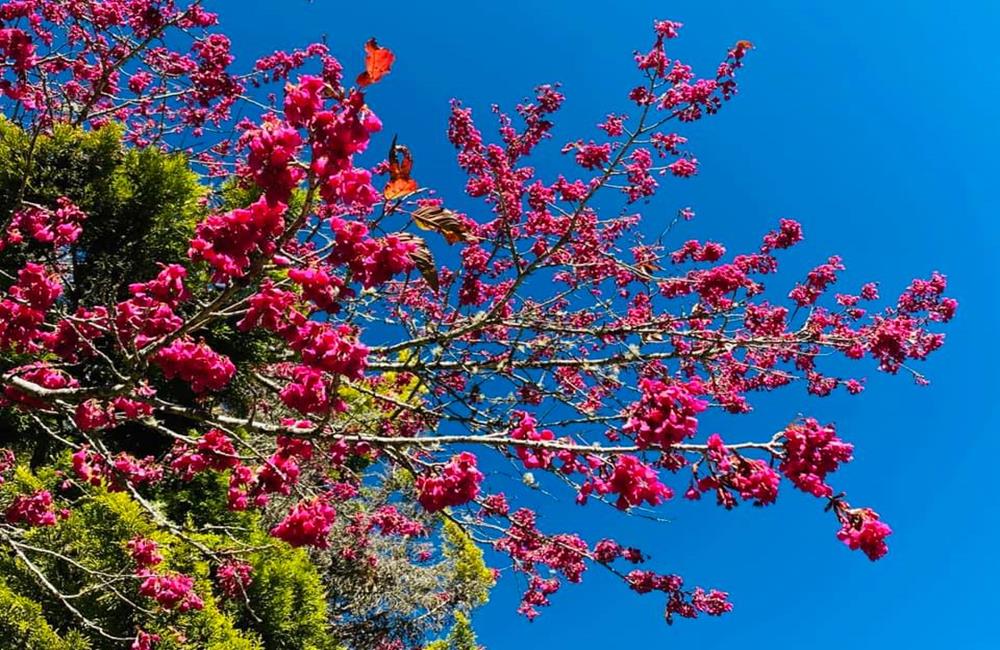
column 873, row 123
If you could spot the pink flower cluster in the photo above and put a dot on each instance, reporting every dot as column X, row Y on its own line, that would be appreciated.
column 322, row 347
column 282, row 469
column 233, row 577
column 331, row 348
column 173, row 591
column 895, row 337
column 861, row 529
column 307, row 393
column 280, row 64
column 526, row 429
column 307, row 524
column 7, row 463
column 666, row 413
column 33, row 509
column 371, row 261
column 788, row 234
column 167, row 287
column 73, row 338
column 334, row 136
column 750, row 478
column 40, row 374
column 607, row 551
column 200, row 366
column 811, row 451
column 646, row 581
column 16, row 46
column 390, row 521
column 641, row 183
column 304, row 99
column 92, row 415
column 338, row 134
column 384, row 520
column 144, row 551
column 717, row 285
column 455, row 483
column 351, row 191
column 684, row 167
column 214, row 450
column 679, row 602
column 145, row 640
column 276, row 475
column 89, row 466
column 272, row 309
column 92, row 467
column 697, row 252
column 319, row 286
column 23, row 310
column 228, row 240
column 59, row 227
column 529, row 549
column 632, row 480
column 591, row 155
column 149, row 314
column 817, row 282
column 272, row 149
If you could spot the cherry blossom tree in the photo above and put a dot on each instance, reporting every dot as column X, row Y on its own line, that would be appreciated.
column 397, row 341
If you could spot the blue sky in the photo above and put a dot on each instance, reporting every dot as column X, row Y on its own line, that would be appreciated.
column 875, row 125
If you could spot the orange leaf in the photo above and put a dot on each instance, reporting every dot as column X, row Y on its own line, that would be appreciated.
column 399, row 187
column 378, row 62
column 400, row 164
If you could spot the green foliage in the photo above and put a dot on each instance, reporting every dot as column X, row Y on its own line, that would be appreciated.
column 288, row 596
column 142, row 204
column 461, row 636
column 23, row 626
column 286, row 610
column 94, row 537
column 470, row 576
column 147, row 216
column 201, row 501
